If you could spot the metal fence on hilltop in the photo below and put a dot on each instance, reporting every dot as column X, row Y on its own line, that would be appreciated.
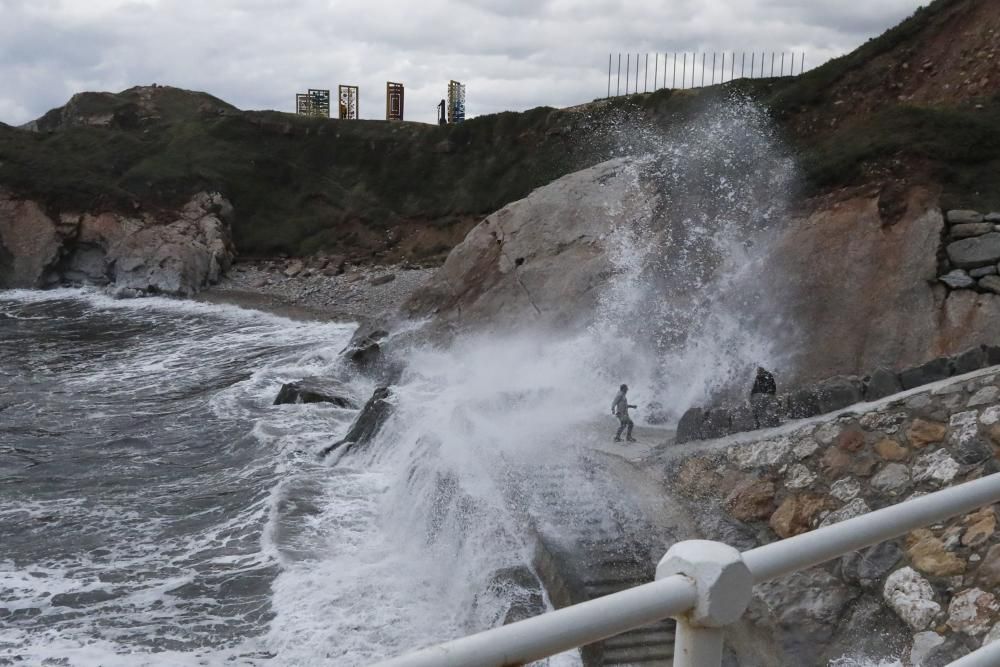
column 690, row 69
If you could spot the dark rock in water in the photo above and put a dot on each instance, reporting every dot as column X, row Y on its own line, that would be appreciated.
column 868, row 566
column 742, row 418
column 310, row 391
column 717, row 423
column 689, row 427
column 803, row 403
column 838, row 392
column 968, row 361
column 365, row 349
column 367, row 424
column 655, row 413
column 932, row 371
column 992, row 355
column 84, row 599
column 767, row 410
column 883, row 382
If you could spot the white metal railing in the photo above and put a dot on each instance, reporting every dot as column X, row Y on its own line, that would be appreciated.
column 705, row 586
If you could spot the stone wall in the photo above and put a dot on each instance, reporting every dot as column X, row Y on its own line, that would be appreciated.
column 972, row 251
column 830, row 395
column 925, row 598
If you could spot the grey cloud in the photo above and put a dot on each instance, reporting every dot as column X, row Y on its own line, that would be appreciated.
column 512, row 54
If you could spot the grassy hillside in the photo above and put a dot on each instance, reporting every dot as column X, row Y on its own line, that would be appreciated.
column 301, row 185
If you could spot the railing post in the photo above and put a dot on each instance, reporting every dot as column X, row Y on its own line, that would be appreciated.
column 723, row 585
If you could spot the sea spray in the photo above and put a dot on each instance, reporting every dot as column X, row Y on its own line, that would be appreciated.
column 489, row 428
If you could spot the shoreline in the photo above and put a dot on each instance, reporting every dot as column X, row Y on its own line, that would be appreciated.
column 318, row 292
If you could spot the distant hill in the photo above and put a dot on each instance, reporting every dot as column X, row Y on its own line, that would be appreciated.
column 917, row 104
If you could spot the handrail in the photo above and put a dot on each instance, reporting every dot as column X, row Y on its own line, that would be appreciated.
column 987, row 656
column 696, row 592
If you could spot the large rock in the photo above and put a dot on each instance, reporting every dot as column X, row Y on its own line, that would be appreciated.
column 312, row 390
column 911, row 597
column 922, row 433
column 795, row 514
column 958, row 279
column 139, row 255
column 929, row 555
column 881, row 383
column 752, row 499
column 838, row 392
column 932, row 371
column 539, row 260
column 30, row 242
column 803, row 609
column 964, row 217
column 689, row 426
column 869, row 565
column 988, row 574
column 366, row 425
column 970, row 360
column 972, row 611
column 969, row 229
column 974, row 252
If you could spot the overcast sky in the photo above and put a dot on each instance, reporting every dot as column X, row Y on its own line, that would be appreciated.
column 511, row 54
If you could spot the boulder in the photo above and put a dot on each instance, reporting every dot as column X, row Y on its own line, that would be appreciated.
column 975, row 252
column 971, row 360
column 715, row 525
column 922, row 433
column 957, row 279
column 689, row 426
column 518, row 585
column 890, row 450
column 972, row 611
column 803, row 610
column 799, row 477
column 752, row 499
column 851, row 439
column 294, row 268
column 383, row 279
column 988, row 574
column 936, row 466
column 742, row 418
column 845, row 489
column 932, row 371
column 983, row 271
column 984, row 396
column 838, row 392
column 923, row 644
column 853, row 509
column 366, row 425
column 969, row 229
column 364, row 350
column 761, row 453
column 947, row 652
column 881, row 383
column 990, row 284
column 803, row 403
column 992, row 217
column 30, row 243
column 767, row 410
column 795, row 514
column 312, row 390
column 717, row 423
column 893, row 479
column 963, row 217
column 911, row 597
column 982, row 524
column 930, row 555
column 867, row 566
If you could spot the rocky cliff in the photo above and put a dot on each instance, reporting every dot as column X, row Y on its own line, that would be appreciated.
column 179, row 255
column 926, row 598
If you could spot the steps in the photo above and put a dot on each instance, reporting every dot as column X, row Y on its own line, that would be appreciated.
column 591, row 543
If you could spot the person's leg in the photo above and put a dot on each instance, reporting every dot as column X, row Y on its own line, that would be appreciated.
column 621, row 427
column 628, row 435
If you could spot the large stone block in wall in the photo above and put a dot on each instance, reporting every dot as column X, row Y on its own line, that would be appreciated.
column 963, row 217
column 932, row 371
column 881, row 383
column 838, row 392
column 974, row 252
column 968, row 361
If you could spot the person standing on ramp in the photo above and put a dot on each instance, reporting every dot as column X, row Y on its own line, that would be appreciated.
column 619, row 408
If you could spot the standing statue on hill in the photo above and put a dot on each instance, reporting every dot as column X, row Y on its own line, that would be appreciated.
column 619, row 408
